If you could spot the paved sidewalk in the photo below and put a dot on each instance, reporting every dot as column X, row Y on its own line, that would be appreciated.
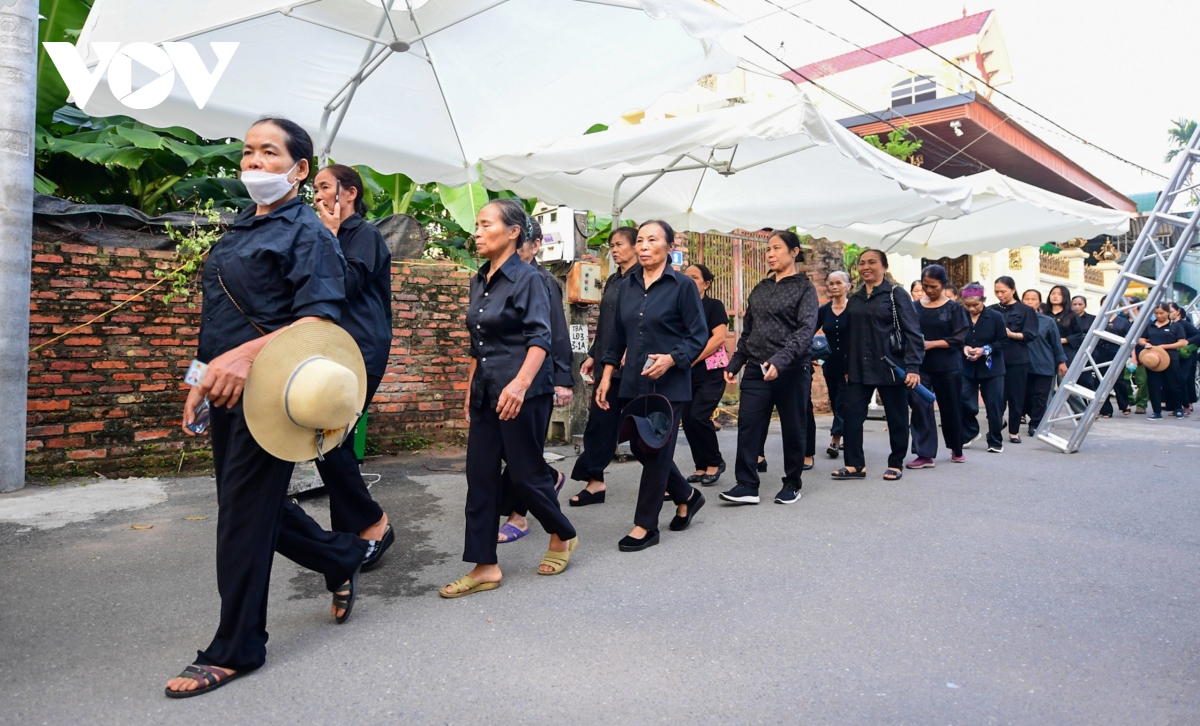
column 1025, row 587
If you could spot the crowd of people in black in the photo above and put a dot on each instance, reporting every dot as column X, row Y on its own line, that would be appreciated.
column 659, row 360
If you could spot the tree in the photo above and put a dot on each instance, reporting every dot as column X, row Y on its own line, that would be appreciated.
column 899, row 143
column 1179, row 135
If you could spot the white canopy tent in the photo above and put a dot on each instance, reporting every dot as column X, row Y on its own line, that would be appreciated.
column 1005, row 213
column 436, row 84
column 776, row 163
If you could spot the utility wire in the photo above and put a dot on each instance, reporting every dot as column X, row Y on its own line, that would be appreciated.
column 1049, row 120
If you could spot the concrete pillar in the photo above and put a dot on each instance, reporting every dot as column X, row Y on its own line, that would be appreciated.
column 1075, row 258
column 1110, row 270
column 18, row 88
column 578, row 315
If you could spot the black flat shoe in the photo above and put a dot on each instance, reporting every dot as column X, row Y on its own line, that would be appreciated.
column 831, row 452
column 584, row 498
column 346, row 602
column 695, row 478
column 629, row 543
column 806, row 467
column 694, row 503
column 711, row 479
column 376, row 548
column 762, row 465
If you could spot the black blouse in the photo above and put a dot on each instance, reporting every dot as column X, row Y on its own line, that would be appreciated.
column 781, row 317
column 949, row 323
column 1167, row 334
column 1106, row 351
column 834, row 328
column 1069, row 328
column 279, row 267
column 987, row 330
column 561, row 358
column 1019, row 318
column 508, row 315
column 608, row 313
column 367, row 314
column 715, row 315
column 665, row 318
column 869, row 327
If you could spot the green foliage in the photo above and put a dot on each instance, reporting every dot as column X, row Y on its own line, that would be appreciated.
column 1178, row 136
column 899, row 144
column 463, row 203
column 117, row 160
column 595, row 129
column 1050, row 249
column 62, row 21
column 850, row 255
column 599, row 228
column 191, row 246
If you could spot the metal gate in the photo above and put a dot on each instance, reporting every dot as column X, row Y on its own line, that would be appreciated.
column 738, row 263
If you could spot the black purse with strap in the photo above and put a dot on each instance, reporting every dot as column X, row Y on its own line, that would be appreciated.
column 896, row 337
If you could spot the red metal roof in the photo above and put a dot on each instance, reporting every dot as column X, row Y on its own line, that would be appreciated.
column 961, row 28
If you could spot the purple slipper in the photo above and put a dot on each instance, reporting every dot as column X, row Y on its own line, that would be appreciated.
column 558, row 485
column 511, row 533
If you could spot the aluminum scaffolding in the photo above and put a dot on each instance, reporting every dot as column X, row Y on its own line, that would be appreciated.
column 1167, row 260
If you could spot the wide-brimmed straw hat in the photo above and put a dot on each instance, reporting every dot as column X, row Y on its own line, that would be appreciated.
column 1155, row 359
column 647, row 419
column 305, row 391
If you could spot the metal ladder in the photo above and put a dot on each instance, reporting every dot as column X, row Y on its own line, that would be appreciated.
column 1146, row 248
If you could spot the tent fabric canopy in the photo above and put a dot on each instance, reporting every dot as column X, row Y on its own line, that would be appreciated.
column 776, row 163
column 1005, row 213
column 445, row 83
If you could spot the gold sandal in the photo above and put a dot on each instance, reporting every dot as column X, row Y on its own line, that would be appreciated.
column 558, row 561
column 464, row 586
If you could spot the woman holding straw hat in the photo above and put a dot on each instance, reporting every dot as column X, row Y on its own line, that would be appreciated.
column 272, row 285
column 1162, row 340
column 510, row 394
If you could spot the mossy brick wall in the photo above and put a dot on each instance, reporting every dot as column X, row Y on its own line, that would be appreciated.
column 108, row 398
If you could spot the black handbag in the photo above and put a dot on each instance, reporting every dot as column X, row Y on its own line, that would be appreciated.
column 896, row 337
column 820, row 348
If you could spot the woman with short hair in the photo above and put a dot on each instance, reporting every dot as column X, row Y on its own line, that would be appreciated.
column 831, row 322
column 983, row 369
column 708, row 385
column 658, row 330
column 1164, row 384
column 882, row 330
column 775, row 349
column 944, row 327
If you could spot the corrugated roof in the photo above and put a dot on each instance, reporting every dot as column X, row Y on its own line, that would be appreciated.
column 961, row 28
column 1145, row 201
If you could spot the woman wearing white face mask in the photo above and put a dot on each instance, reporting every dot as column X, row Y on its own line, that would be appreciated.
column 275, row 267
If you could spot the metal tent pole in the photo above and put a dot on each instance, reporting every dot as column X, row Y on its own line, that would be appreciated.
column 1167, row 261
column 18, row 88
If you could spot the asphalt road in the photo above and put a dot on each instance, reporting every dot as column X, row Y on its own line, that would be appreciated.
column 1024, row 587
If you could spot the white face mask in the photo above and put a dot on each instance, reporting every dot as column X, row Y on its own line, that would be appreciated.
column 266, row 188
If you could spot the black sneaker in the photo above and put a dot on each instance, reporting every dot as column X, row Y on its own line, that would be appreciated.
column 741, row 494
column 995, row 449
column 790, row 494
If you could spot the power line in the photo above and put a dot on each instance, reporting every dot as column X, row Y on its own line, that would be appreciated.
column 1070, row 133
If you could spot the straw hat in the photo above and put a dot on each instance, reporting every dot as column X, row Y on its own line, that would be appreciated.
column 305, row 391
column 1155, row 359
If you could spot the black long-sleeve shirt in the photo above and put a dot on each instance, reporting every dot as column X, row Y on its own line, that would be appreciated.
column 561, row 358
column 508, row 315
column 367, row 313
column 1019, row 318
column 781, row 317
column 948, row 322
column 279, row 267
column 987, row 330
column 608, row 313
column 870, row 327
column 1069, row 328
column 665, row 318
column 1045, row 349
column 1107, row 351
column 834, row 328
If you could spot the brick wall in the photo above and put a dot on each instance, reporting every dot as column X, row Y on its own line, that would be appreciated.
column 108, row 398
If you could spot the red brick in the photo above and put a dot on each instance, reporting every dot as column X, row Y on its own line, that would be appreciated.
column 86, row 427
column 48, row 405
column 44, row 431
column 80, row 454
column 55, row 259
column 72, row 442
column 102, row 365
column 151, row 435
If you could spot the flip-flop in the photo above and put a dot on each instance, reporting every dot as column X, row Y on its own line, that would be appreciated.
column 558, row 485
column 845, row 473
column 558, row 561
column 512, row 532
column 464, row 586
column 209, row 678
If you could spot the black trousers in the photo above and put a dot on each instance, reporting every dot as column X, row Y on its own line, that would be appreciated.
column 1164, row 388
column 1037, row 395
column 659, row 474
column 810, row 429
column 254, row 520
column 895, row 408
column 1015, row 380
column 992, row 390
column 351, row 507
column 790, row 394
column 518, row 441
column 1120, row 390
column 599, row 437
column 835, row 383
column 947, row 386
column 697, row 420
column 1187, row 379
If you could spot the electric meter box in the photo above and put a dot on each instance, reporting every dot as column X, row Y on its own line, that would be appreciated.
column 584, row 286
